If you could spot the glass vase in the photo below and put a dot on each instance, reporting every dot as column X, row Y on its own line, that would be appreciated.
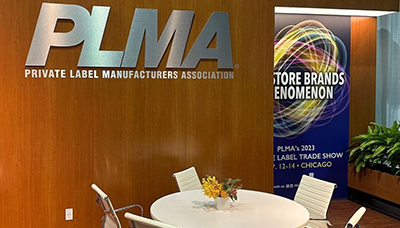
column 222, row 203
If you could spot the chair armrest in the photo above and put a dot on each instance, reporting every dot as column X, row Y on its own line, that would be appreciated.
column 130, row 206
column 322, row 219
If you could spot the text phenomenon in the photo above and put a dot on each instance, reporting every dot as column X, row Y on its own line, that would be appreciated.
column 306, row 85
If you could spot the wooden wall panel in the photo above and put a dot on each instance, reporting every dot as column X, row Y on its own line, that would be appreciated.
column 128, row 136
column 362, row 74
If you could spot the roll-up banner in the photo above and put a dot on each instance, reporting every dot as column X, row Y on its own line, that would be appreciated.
column 311, row 94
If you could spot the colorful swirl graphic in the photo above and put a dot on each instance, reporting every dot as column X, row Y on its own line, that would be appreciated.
column 309, row 47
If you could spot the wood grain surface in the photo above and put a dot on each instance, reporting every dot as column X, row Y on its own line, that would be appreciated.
column 379, row 184
column 128, row 136
column 362, row 74
column 58, row 136
column 340, row 211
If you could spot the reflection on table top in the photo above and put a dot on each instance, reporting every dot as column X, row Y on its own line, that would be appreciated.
column 191, row 209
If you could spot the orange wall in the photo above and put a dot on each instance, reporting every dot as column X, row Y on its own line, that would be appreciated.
column 58, row 136
column 363, row 70
column 128, row 136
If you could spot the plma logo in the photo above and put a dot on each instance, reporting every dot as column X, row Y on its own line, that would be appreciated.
column 89, row 29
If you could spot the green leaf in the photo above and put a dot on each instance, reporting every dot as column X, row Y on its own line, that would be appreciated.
column 353, row 151
column 360, row 137
column 396, row 145
column 393, row 151
column 378, row 151
column 368, row 143
column 234, row 181
column 377, row 125
column 376, row 160
column 395, row 126
column 358, row 163
column 370, row 130
column 358, row 168
column 389, row 140
column 380, row 137
column 368, row 156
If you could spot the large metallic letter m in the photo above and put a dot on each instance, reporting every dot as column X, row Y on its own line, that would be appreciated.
column 144, row 24
column 177, row 29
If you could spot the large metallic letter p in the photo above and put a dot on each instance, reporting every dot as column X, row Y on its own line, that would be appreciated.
column 45, row 37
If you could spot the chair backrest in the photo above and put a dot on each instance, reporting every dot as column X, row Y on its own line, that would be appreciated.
column 315, row 195
column 110, row 218
column 187, row 179
column 142, row 222
column 355, row 218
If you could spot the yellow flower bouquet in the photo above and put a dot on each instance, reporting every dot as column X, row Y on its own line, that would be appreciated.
column 213, row 189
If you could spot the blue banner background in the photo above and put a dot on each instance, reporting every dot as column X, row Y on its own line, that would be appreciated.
column 331, row 139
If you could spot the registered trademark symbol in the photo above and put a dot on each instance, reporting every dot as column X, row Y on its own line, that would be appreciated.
column 237, row 66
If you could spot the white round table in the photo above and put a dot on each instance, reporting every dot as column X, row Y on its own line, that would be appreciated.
column 192, row 209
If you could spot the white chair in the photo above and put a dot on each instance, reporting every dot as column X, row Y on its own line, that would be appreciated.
column 142, row 222
column 187, row 179
column 315, row 195
column 353, row 222
column 110, row 218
